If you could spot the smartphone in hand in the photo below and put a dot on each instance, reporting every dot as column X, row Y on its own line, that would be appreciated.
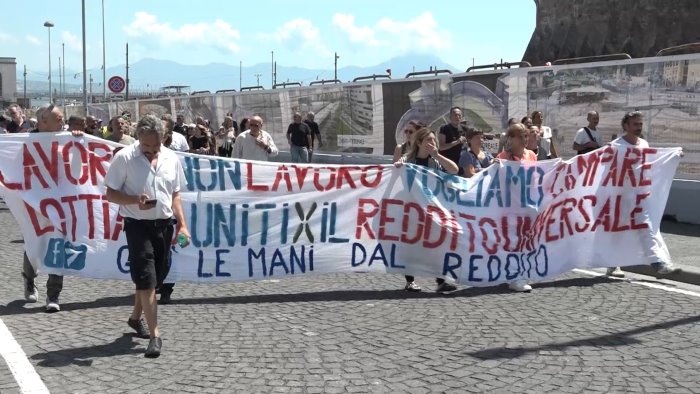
column 151, row 202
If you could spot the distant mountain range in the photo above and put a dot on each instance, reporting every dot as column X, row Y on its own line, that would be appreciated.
column 152, row 74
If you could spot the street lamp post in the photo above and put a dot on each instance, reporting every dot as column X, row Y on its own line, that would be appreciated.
column 336, row 66
column 48, row 25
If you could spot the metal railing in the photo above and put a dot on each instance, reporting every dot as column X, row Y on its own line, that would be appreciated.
column 325, row 81
column 590, row 59
column 285, row 84
column 429, row 72
column 373, row 77
column 500, row 65
column 693, row 47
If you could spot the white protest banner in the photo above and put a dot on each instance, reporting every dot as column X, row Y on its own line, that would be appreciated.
column 256, row 220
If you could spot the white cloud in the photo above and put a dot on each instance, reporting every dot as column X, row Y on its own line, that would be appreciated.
column 357, row 34
column 218, row 34
column 421, row 32
column 72, row 41
column 302, row 34
column 30, row 39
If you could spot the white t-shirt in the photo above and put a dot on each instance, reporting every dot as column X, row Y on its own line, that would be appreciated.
column 246, row 148
column 179, row 143
column 546, row 142
column 583, row 138
column 131, row 173
column 641, row 143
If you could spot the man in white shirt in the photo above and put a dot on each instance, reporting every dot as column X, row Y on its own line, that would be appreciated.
column 656, row 250
column 145, row 179
column 588, row 138
column 255, row 143
column 178, row 142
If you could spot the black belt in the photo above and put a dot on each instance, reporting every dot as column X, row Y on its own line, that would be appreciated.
column 152, row 222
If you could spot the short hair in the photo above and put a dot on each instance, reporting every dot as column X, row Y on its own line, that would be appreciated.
column 15, row 105
column 43, row 110
column 592, row 113
column 150, row 124
column 630, row 115
column 454, row 108
column 310, row 114
column 526, row 117
column 90, row 117
column 516, row 130
column 76, row 119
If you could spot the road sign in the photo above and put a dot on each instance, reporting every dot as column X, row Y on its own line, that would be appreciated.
column 116, row 84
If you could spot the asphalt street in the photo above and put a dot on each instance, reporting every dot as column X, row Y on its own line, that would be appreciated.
column 362, row 333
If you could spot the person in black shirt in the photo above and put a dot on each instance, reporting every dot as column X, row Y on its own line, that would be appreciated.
column 315, row 131
column 451, row 140
column 180, row 126
column 299, row 138
column 18, row 123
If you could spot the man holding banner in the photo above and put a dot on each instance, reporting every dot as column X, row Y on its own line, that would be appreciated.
column 655, row 247
column 145, row 179
column 49, row 119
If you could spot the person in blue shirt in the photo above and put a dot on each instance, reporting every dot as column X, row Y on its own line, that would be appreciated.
column 475, row 158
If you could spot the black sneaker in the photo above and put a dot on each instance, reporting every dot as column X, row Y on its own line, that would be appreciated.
column 165, row 299
column 140, row 327
column 153, row 349
column 445, row 287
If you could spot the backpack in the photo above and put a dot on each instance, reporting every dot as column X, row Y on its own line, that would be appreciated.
column 584, row 151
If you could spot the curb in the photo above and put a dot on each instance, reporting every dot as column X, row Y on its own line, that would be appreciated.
column 689, row 274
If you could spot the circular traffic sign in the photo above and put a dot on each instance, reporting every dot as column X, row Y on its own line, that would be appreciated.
column 116, row 84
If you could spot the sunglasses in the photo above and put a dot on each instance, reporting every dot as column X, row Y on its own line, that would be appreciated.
column 254, row 124
column 408, row 131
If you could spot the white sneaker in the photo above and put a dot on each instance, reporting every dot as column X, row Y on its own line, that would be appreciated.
column 31, row 294
column 520, row 285
column 52, row 305
column 615, row 272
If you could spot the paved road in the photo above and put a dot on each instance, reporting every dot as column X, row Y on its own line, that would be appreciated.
column 358, row 333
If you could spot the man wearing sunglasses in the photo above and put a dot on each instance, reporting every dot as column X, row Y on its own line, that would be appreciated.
column 254, row 143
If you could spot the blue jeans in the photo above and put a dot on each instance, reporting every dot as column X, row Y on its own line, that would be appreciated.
column 300, row 154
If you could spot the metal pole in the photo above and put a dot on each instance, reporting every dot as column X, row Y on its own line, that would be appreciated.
column 240, row 75
column 104, row 67
column 63, row 73
column 90, row 87
column 49, row 25
column 85, row 98
column 336, row 66
column 25, row 85
column 60, row 81
column 127, row 71
column 272, row 70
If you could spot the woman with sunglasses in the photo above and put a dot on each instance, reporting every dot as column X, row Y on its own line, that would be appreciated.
column 408, row 132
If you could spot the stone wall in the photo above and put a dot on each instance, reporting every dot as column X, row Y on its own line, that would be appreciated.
column 640, row 28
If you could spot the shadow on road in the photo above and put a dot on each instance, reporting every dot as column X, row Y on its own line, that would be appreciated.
column 82, row 356
column 677, row 228
column 618, row 339
column 20, row 306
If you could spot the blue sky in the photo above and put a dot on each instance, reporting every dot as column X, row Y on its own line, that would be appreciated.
column 304, row 34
